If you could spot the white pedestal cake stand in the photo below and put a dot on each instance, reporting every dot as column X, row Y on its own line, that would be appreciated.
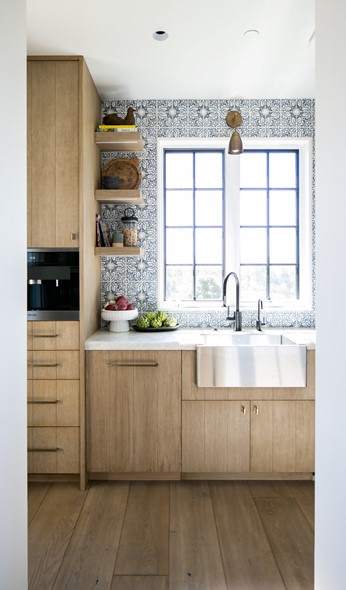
column 119, row 320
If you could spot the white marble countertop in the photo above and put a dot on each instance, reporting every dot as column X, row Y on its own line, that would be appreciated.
column 182, row 339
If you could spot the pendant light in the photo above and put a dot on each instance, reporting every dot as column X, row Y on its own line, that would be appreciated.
column 233, row 120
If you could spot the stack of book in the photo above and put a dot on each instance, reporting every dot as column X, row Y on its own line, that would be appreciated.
column 116, row 128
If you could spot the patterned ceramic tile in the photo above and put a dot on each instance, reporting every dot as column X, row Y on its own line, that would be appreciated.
column 137, row 277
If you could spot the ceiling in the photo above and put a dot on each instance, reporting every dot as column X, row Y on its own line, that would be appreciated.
column 206, row 54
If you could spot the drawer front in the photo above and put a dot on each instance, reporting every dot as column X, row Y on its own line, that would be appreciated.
column 53, row 335
column 53, row 364
column 53, row 450
column 53, row 403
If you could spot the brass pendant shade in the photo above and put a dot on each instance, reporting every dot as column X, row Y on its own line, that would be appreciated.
column 235, row 144
column 234, row 119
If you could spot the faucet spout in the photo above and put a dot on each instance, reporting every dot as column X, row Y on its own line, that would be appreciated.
column 236, row 317
column 259, row 322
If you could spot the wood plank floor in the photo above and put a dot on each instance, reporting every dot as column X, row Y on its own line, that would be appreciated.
column 188, row 535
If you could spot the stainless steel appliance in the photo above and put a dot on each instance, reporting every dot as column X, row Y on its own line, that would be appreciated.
column 53, row 284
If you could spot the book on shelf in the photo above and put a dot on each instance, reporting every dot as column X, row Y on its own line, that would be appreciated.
column 116, row 128
column 102, row 233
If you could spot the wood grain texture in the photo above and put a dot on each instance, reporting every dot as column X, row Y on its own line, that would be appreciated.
column 140, row 583
column 36, row 494
column 304, row 493
column 247, row 558
column 50, row 532
column 269, row 489
column 195, row 557
column 291, row 540
column 90, row 557
column 143, row 548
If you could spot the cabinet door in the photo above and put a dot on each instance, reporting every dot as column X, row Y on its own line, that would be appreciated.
column 53, row 450
column 215, row 437
column 282, row 436
column 52, row 153
column 134, row 412
column 53, row 335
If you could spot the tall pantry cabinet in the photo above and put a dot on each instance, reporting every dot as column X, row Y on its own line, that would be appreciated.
column 63, row 110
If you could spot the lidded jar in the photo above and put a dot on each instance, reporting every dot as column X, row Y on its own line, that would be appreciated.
column 130, row 223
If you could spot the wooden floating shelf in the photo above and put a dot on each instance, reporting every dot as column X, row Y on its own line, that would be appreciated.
column 125, row 251
column 109, row 196
column 119, row 141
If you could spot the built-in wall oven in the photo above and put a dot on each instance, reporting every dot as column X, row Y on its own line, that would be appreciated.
column 53, row 284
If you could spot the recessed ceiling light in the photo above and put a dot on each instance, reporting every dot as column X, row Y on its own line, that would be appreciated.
column 160, row 35
column 251, row 34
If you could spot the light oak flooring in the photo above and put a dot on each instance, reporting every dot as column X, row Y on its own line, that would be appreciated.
column 188, row 535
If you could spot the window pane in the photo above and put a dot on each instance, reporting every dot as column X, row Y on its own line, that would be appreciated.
column 208, row 170
column 208, row 246
column 179, row 246
column 179, row 170
column 179, row 282
column 282, row 246
column 253, row 246
column 282, row 169
column 282, row 207
column 253, row 207
column 253, row 170
column 208, row 282
column 208, row 208
column 282, row 282
column 253, row 283
column 176, row 202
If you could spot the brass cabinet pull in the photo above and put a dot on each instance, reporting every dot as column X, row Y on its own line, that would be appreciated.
column 255, row 410
column 34, row 365
column 34, row 450
column 243, row 409
column 43, row 401
column 133, row 364
column 45, row 335
column 74, row 236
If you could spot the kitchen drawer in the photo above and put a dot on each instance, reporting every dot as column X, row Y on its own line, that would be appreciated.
column 53, row 450
column 53, row 403
column 59, row 364
column 53, row 335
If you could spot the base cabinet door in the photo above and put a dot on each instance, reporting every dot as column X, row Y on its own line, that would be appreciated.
column 134, row 412
column 215, row 437
column 282, row 436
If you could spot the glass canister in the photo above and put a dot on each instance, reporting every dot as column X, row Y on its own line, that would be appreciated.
column 130, row 223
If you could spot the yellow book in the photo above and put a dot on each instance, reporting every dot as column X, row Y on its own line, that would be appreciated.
column 117, row 127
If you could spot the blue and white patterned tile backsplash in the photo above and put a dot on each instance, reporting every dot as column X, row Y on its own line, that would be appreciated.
column 136, row 278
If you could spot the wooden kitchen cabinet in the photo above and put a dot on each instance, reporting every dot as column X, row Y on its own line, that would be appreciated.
column 260, row 432
column 282, row 436
column 133, row 414
column 53, row 398
column 53, row 153
column 215, row 437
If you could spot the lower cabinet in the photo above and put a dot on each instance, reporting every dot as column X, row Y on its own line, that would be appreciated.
column 133, row 414
column 53, row 398
column 232, row 437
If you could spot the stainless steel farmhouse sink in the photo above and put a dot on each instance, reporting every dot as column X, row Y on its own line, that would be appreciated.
column 250, row 360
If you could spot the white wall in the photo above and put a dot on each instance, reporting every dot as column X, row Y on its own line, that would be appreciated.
column 13, row 515
column 330, row 554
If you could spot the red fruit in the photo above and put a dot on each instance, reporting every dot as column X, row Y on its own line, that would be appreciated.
column 111, row 307
column 122, row 305
column 121, row 299
column 130, row 306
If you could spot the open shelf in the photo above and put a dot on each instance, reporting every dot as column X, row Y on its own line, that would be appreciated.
column 125, row 251
column 119, row 141
column 109, row 196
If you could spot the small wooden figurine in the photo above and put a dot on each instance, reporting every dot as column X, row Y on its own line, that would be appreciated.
column 114, row 119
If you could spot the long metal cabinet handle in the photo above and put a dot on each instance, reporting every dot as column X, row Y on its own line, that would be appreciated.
column 45, row 335
column 133, row 364
column 33, row 450
column 243, row 410
column 43, row 401
column 44, row 365
column 255, row 409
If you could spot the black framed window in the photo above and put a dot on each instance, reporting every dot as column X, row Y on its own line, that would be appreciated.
column 269, row 224
column 193, row 208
